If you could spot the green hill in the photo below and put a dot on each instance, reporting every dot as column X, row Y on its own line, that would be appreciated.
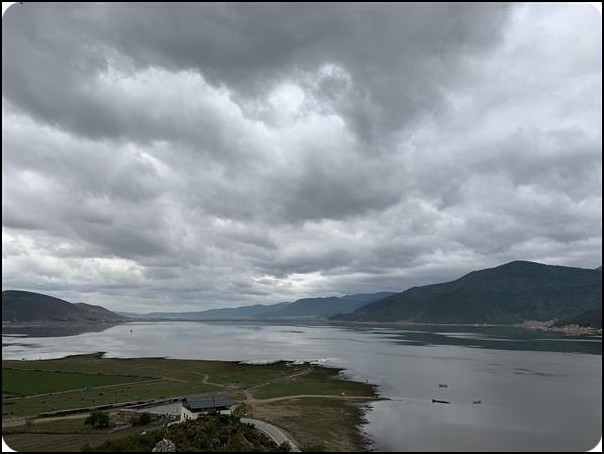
column 509, row 293
column 211, row 433
column 20, row 306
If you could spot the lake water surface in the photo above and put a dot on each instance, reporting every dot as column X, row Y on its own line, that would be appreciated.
column 538, row 391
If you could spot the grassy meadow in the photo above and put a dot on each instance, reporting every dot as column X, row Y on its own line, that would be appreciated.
column 272, row 392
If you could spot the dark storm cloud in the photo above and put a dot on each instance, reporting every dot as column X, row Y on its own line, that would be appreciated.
column 196, row 156
column 399, row 60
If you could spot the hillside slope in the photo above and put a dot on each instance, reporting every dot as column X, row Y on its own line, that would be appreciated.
column 509, row 293
column 324, row 307
column 20, row 306
column 591, row 318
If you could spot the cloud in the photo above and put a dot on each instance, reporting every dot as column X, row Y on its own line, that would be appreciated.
column 398, row 61
column 193, row 156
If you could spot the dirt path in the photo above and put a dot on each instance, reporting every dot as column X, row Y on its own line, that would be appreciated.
column 206, row 381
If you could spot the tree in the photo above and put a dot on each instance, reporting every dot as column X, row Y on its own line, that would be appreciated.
column 144, row 419
column 284, row 447
column 241, row 411
column 97, row 419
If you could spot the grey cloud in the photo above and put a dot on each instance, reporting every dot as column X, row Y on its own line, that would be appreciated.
column 307, row 261
column 122, row 241
column 399, row 58
column 326, row 191
column 189, row 157
column 160, row 273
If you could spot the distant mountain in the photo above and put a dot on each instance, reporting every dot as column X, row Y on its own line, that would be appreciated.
column 20, row 306
column 302, row 308
column 592, row 318
column 324, row 307
column 256, row 310
column 226, row 313
column 509, row 293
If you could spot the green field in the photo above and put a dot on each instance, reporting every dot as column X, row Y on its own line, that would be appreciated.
column 31, row 388
column 101, row 396
column 133, row 380
column 25, row 382
column 221, row 372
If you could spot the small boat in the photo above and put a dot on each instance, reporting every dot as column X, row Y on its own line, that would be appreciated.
column 440, row 401
column 442, row 385
column 477, row 401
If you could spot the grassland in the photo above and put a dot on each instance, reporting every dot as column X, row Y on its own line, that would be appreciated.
column 282, row 393
column 153, row 378
column 318, row 381
column 317, row 424
column 26, row 382
column 80, row 398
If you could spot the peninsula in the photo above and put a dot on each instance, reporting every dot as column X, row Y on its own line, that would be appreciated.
column 46, row 402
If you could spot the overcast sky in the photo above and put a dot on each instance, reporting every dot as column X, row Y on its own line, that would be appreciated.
column 186, row 157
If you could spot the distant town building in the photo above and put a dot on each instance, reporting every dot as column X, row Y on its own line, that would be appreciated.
column 194, row 406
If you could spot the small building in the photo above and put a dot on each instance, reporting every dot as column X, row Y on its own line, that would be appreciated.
column 194, row 406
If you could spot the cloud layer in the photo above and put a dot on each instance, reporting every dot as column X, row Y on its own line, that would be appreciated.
column 185, row 157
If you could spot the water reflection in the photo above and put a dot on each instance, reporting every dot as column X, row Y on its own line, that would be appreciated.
column 53, row 329
column 492, row 337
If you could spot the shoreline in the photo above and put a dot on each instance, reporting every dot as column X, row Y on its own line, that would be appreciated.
column 571, row 330
column 527, row 324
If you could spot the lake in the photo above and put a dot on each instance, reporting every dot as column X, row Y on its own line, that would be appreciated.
column 538, row 391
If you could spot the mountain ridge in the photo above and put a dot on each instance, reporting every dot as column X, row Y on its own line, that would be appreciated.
column 320, row 307
column 24, row 306
column 509, row 293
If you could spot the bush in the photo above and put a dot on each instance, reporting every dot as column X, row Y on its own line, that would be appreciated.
column 284, row 447
column 97, row 419
column 144, row 419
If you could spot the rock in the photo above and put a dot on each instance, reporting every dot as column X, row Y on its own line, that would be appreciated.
column 164, row 446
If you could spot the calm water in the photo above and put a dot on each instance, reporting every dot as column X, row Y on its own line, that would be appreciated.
column 538, row 391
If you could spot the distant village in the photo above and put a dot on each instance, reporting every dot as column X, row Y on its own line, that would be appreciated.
column 569, row 330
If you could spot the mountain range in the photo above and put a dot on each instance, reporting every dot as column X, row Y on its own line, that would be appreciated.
column 302, row 308
column 509, row 293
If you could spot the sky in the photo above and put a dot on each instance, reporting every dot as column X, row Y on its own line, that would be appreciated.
column 187, row 157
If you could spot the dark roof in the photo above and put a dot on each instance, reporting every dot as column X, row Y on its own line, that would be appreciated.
column 196, row 403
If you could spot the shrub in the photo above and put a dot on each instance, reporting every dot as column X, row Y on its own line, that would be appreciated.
column 97, row 419
column 145, row 418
